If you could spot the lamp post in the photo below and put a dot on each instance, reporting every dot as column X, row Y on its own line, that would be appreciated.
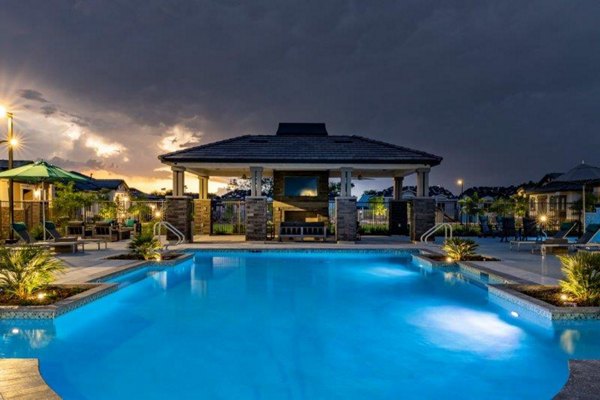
column 461, row 183
column 11, row 141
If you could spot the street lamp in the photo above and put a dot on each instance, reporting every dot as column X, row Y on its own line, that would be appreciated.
column 461, row 183
column 12, row 142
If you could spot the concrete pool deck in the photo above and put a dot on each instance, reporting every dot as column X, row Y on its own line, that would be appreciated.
column 521, row 265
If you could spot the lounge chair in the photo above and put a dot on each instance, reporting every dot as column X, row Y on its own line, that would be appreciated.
column 587, row 241
column 560, row 237
column 23, row 233
column 55, row 234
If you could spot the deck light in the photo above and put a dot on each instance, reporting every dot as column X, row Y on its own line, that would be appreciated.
column 41, row 296
column 514, row 314
column 449, row 259
column 157, row 214
column 543, row 219
column 564, row 297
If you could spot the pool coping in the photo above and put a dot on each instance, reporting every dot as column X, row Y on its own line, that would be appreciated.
column 506, row 291
column 583, row 382
column 20, row 378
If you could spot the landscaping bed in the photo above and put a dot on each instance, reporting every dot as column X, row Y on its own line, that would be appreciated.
column 131, row 256
column 444, row 258
column 50, row 295
column 549, row 294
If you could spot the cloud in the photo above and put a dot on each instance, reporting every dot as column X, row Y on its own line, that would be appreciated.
column 33, row 95
column 48, row 109
column 101, row 147
column 178, row 137
column 479, row 83
column 76, row 165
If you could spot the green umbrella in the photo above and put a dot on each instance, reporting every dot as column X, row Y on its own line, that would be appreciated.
column 41, row 172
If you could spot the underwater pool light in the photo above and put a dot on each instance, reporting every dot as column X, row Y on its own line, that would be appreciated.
column 514, row 314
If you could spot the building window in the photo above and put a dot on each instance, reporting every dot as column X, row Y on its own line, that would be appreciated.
column 532, row 204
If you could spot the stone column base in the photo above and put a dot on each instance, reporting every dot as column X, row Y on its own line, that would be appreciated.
column 256, row 218
column 202, row 217
column 422, row 217
column 345, row 219
column 178, row 212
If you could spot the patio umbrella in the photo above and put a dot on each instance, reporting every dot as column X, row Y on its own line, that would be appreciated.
column 41, row 172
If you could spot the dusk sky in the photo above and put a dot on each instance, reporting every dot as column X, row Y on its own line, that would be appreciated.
column 505, row 91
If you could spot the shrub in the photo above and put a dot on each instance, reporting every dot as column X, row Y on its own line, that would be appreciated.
column 460, row 249
column 582, row 277
column 26, row 270
column 146, row 247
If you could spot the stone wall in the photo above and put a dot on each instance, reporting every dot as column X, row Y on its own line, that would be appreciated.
column 345, row 219
column 422, row 216
column 256, row 218
column 202, row 217
column 178, row 211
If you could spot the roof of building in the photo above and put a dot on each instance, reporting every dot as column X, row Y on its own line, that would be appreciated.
column 302, row 143
column 491, row 191
column 93, row 184
column 580, row 173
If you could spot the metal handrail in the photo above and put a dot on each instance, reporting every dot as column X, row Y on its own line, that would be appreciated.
column 435, row 228
column 157, row 227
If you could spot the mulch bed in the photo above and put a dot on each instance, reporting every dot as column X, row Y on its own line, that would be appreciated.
column 473, row 258
column 130, row 256
column 549, row 294
column 52, row 295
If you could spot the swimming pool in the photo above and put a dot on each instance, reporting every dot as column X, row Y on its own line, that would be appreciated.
column 296, row 325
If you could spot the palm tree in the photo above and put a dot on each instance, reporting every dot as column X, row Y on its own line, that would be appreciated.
column 27, row 269
column 470, row 205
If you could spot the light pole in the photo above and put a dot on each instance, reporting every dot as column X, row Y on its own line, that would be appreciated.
column 11, row 141
column 461, row 183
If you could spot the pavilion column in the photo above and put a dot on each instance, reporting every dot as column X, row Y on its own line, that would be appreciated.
column 256, row 208
column 423, row 207
column 423, row 182
column 256, row 174
column 398, row 210
column 345, row 182
column 345, row 209
column 398, row 184
column 178, row 181
column 203, row 209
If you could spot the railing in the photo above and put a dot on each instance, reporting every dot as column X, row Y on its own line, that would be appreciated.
column 431, row 231
column 169, row 227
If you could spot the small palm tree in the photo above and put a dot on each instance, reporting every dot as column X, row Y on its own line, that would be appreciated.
column 459, row 249
column 26, row 270
column 582, row 277
column 146, row 246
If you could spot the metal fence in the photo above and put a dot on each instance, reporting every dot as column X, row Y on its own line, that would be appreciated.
column 30, row 212
column 228, row 217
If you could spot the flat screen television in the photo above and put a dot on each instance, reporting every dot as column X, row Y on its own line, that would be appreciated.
column 301, row 186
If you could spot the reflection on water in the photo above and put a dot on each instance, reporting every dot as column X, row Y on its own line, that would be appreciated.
column 569, row 339
column 33, row 335
column 459, row 328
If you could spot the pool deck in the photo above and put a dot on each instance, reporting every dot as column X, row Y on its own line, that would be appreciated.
column 522, row 265
column 21, row 379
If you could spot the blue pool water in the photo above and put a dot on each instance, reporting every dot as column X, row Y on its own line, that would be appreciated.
column 298, row 326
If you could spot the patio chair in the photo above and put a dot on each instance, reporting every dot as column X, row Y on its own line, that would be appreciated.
column 560, row 237
column 55, row 234
column 486, row 230
column 20, row 228
column 508, row 228
column 109, row 231
column 587, row 241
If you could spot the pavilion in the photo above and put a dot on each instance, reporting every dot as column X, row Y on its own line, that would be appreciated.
column 301, row 158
